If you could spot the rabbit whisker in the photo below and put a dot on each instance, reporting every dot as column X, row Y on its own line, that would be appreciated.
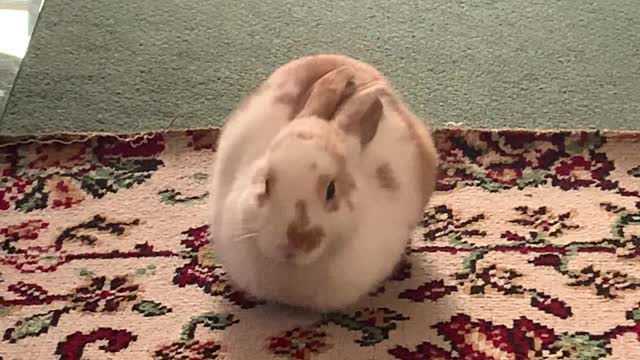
column 246, row 236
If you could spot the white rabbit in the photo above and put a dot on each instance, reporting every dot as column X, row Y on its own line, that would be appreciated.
column 316, row 211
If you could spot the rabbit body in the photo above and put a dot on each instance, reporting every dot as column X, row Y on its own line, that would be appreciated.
column 317, row 184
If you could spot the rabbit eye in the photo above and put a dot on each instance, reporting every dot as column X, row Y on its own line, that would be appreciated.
column 267, row 186
column 331, row 191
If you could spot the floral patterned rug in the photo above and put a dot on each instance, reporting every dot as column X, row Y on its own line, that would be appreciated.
column 530, row 250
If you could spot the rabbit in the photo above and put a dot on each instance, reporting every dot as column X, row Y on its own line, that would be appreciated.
column 313, row 199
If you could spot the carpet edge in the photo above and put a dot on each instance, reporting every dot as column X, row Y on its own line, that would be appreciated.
column 73, row 137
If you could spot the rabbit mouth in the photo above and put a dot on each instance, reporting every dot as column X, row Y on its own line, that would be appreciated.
column 285, row 255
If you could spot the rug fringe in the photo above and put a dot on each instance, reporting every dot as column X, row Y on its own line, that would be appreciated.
column 74, row 137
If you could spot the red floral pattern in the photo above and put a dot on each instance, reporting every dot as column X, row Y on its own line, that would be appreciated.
column 189, row 351
column 57, row 175
column 104, row 295
column 35, row 259
column 298, row 343
column 104, row 252
column 28, row 230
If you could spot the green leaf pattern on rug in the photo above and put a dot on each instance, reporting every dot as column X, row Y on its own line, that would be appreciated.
column 469, row 261
column 533, row 178
column 581, row 346
column 172, row 197
column 583, row 145
column 200, row 176
column 86, row 232
column 212, row 321
column 207, row 257
column 121, row 174
column 375, row 324
column 5, row 310
column 36, row 199
column 34, row 325
column 151, row 308
column 148, row 270
column 86, row 273
column 634, row 314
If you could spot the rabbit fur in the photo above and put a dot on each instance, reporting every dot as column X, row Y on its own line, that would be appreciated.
column 320, row 176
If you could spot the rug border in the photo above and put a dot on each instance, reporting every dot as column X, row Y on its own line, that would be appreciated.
column 74, row 137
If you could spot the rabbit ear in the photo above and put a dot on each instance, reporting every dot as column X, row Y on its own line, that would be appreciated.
column 359, row 116
column 328, row 92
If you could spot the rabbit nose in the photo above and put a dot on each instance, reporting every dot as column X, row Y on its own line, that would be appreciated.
column 301, row 235
column 303, row 241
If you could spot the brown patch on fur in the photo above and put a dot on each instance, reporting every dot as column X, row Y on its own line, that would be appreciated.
column 304, row 72
column 427, row 159
column 300, row 234
column 295, row 101
column 345, row 183
column 328, row 93
column 360, row 117
column 385, row 177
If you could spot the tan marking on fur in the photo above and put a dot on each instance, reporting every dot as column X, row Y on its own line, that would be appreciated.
column 427, row 159
column 345, row 183
column 300, row 234
column 296, row 99
column 385, row 177
column 328, row 93
column 305, row 71
column 360, row 114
